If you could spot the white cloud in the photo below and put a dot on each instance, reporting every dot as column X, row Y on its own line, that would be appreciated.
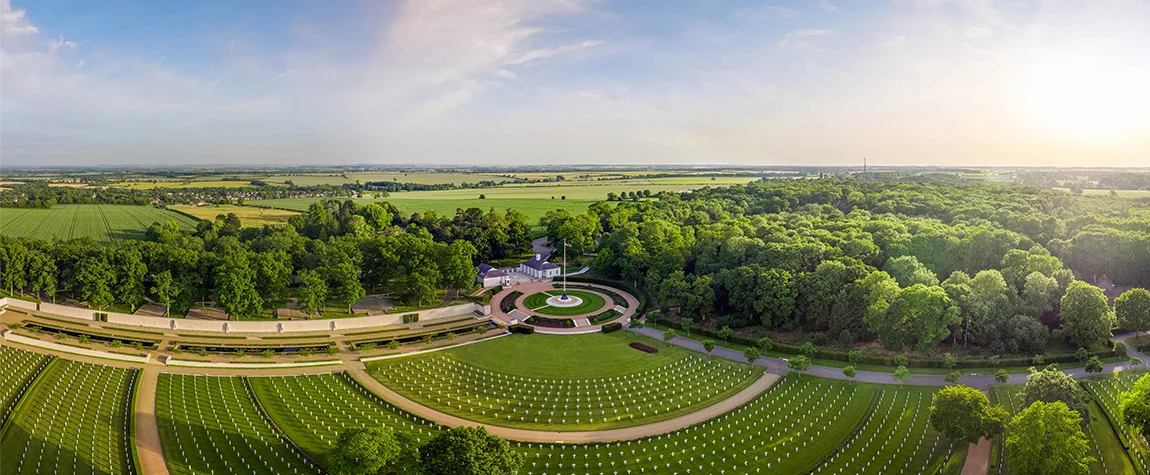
column 549, row 52
column 827, row 6
column 13, row 23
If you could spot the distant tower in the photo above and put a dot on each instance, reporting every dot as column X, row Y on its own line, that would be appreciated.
column 864, row 164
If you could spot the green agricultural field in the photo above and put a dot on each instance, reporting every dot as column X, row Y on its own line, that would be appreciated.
column 75, row 419
column 523, row 400
column 177, row 184
column 1106, row 390
column 250, row 217
column 537, row 302
column 1105, row 446
column 20, row 368
column 429, row 178
column 787, row 429
column 313, row 410
column 213, row 423
column 99, row 222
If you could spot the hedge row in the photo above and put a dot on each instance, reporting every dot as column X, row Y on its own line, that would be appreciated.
column 521, row 328
column 644, row 300
column 613, row 326
column 834, row 355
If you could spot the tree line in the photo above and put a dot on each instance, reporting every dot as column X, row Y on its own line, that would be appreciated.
column 335, row 252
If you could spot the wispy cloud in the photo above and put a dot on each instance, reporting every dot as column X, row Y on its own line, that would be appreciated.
column 802, row 38
column 767, row 11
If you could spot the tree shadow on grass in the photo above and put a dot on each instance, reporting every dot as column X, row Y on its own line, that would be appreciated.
column 13, row 446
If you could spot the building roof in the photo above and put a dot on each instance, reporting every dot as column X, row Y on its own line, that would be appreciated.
column 484, row 268
column 539, row 263
column 495, row 273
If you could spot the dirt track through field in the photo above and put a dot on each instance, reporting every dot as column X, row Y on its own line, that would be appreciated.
column 655, row 428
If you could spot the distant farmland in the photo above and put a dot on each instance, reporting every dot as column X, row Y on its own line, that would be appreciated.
column 250, row 217
column 99, row 222
column 533, row 200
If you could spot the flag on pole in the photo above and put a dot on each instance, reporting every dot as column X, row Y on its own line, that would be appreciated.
column 565, row 244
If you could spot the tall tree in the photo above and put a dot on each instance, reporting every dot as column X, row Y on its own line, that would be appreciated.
column 14, row 259
column 1135, row 406
column 1051, row 385
column 344, row 278
column 1086, row 316
column 42, row 273
column 165, row 289
column 908, row 271
column 313, row 292
column 273, row 274
column 1132, row 310
column 469, row 451
column 456, row 264
column 95, row 279
column 130, row 270
column 964, row 414
column 235, row 287
column 1047, row 439
column 367, row 451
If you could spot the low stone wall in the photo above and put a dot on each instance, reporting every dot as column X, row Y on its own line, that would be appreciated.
column 271, row 326
column 47, row 345
column 209, row 364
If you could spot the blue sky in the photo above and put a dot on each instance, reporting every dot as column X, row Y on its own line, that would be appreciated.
column 943, row 82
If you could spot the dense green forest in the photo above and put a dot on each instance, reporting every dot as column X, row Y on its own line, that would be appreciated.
column 908, row 264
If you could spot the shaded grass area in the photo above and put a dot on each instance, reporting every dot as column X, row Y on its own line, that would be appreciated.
column 74, row 419
column 313, row 410
column 213, row 423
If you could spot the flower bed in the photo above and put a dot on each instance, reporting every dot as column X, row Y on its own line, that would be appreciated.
column 550, row 322
column 616, row 299
column 644, row 348
column 508, row 302
column 604, row 316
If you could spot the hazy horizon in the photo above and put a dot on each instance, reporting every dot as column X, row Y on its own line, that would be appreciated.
column 952, row 83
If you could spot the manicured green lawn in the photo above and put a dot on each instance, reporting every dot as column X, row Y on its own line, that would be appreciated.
column 897, row 438
column 213, row 424
column 313, row 410
column 74, row 419
column 20, row 367
column 595, row 355
column 626, row 396
column 537, row 302
column 787, row 429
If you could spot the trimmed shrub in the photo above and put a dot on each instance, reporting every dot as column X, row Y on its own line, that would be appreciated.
column 521, row 328
column 613, row 326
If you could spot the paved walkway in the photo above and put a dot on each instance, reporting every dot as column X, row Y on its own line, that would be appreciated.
column 655, row 428
column 498, row 315
column 147, row 429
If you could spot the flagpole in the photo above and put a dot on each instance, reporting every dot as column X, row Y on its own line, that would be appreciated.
column 564, row 267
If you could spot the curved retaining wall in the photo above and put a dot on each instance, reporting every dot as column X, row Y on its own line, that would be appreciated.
column 47, row 345
column 370, row 321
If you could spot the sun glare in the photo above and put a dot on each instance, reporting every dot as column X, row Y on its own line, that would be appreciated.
column 1088, row 97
